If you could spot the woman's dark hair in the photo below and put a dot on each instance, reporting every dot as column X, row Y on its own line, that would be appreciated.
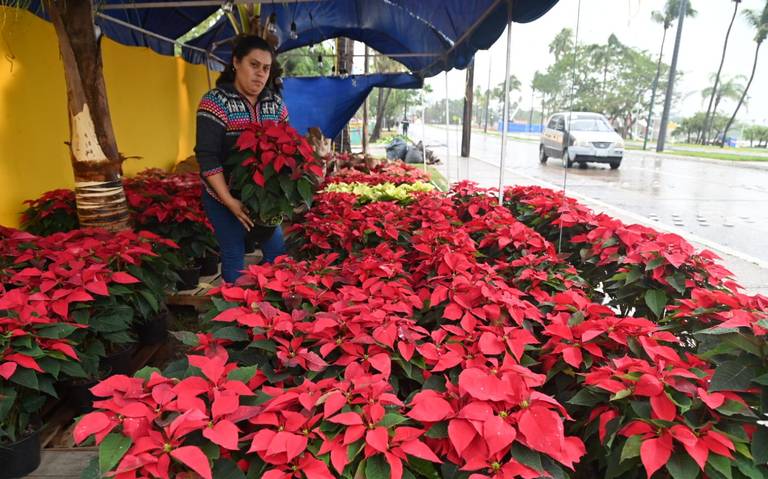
column 243, row 44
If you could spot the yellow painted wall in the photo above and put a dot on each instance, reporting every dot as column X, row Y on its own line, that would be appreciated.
column 152, row 99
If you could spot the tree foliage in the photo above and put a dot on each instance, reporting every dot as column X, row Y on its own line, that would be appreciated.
column 611, row 78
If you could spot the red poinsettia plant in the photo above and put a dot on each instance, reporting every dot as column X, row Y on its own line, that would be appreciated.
column 53, row 212
column 274, row 171
column 36, row 350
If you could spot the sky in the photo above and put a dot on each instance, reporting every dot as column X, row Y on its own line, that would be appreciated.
column 700, row 51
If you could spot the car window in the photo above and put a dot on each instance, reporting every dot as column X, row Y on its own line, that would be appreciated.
column 590, row 124
column 552, row 123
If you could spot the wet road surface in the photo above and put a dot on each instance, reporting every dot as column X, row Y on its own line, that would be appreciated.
column 722, row 203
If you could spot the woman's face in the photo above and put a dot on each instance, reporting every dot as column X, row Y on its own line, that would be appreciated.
column 252, row 72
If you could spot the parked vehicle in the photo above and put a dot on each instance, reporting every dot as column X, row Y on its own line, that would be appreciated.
column 581, row 137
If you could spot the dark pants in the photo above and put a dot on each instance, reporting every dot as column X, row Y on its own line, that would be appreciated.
column 230, row 235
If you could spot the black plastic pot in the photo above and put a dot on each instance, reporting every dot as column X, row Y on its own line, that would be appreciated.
column 119, row 362
column 21, row 457
column 154, row 331
column 209, row 264
column 189, row 278
column 78, row 394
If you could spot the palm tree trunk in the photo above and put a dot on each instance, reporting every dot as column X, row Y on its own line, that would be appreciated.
column 653, row 93
column 743, row 96
column 96, row 162
column 708, row 118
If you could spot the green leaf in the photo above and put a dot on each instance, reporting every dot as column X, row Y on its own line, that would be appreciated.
column 305, row 190
column 438, row 431
column 748, row 469
column 656, row 299
column 146, row 372
column 392, row 419
column 56, row 331
column 227, row 469
column 732, row 375
column 721, row 464
column 681, row 466
column 762, row 380
column 111, row 450
column 654, row 263
column 233, row 333
column 585, row 397
column 677, row 281
column 151, row 299
column 633, row 275
column 621, row 394
column 631, row 448
column 26, row 378
column 422, row 467
column 760, row 445
column 376, row 467
column 264, row 344
column 242, row 374
column 187, row 338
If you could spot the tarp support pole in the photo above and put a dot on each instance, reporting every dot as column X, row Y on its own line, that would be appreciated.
column 447, row 134
column 365, row 109
column 505, row 117
column 158, row 36
column 208, row 69
column 423, row 129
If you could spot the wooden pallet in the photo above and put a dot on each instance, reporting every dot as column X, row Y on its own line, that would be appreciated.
column 63, row 463
column 198, row 297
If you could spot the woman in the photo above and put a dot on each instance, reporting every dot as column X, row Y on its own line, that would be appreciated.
column 245, row 92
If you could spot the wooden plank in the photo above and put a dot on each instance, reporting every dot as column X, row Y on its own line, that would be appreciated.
column 63, row 463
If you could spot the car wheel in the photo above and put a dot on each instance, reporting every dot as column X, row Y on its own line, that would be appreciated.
column 583, row 165
column 615, row 165
column 567, row 161
column 542, row 155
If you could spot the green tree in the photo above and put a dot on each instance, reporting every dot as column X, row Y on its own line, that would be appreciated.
column 314, row 60
column 719, row 71
column 609, row 78
column 665, row 18
column 758, row 21
column 730, row 89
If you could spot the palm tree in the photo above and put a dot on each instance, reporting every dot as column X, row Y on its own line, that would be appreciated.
column 665, row 19
column 96, row 161
column 708, row 119
column 759, row 22
column 731, row 89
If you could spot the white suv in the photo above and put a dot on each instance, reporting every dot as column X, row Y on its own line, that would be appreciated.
column 581, row 137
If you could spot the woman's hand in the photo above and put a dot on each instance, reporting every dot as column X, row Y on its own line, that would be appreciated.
column 240, row 211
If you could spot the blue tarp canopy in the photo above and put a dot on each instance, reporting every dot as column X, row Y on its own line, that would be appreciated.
column 440, row 34
column 340, row 98
column 426, row 36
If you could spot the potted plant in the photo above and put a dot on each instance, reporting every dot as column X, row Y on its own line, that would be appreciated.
column 274, row 171
column 35, row 352
column 55, row 211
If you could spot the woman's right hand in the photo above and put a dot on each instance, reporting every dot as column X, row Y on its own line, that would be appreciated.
column 240, row 211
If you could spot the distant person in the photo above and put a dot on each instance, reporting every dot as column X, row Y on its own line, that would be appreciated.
column 405, row 124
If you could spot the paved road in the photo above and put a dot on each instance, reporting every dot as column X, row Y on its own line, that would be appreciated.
column 723, row 204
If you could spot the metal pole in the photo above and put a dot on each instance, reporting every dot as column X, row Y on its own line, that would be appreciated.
column 505, row 116
column 423, row 130
column 487, row 94
column 447, row 134
column 365, row 108
column 671, row 83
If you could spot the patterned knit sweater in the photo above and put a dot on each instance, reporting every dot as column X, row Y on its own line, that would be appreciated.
column 222, row 115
